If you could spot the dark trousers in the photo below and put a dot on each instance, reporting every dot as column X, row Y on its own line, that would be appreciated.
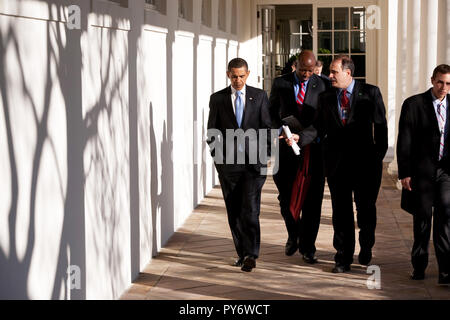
column 243, row 202
column 441, row 228
column 362, row 186
column 305, row 230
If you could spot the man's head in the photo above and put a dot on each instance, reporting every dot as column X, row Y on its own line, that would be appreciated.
column 441, row 81
column 318, row 68
column 306, row 63
column 294, row 65
column 238, row 73
column 341, row 72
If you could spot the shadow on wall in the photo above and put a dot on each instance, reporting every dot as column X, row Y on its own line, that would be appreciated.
column 16, row 272
column 161, row 186
column 63, row 56
column 14, row 284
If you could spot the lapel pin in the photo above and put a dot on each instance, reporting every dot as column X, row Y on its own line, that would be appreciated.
column 251, row 99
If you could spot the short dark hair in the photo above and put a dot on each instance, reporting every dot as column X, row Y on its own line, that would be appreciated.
column 442, row 69
column 319, row 63
column 237, row 63
column 347, row 63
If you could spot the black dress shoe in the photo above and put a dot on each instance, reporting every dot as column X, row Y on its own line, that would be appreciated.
column 248, row 264
column 418, row 275
column 291, row 247
column 444, row 278
column 364, row 257
column 341, row 268
column 309, row 258
column 238, row 263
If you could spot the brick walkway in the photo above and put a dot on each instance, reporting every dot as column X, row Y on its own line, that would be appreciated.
column 196, row 262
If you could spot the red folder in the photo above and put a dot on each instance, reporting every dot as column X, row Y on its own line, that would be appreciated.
column 301, row 185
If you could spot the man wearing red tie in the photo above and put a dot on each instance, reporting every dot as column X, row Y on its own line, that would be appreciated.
column 293, row 102
column 352, row 124
column 424, row 170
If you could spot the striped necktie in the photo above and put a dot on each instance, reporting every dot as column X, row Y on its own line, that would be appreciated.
column 345, row 107
column 442, row 118
column 301, row 95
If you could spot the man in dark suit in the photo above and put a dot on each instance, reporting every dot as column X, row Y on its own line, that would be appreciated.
column 424, row 170
column 318, row 70
column 241, row 110
column 295, row 96
column 352, row 123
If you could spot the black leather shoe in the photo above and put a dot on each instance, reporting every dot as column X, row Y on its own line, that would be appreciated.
column 340, row 268
column 309, row 258
column 444, row 278
column 248, row 264
column 364, row 257
column 238, row 263
column 291, row 247
column 418, row 275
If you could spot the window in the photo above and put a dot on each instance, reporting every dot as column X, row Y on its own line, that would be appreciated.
column 206, row 13
column 342, row 31
column 294, row 33
column 122, row 3
column 222, row 15
column 156, row 5
column 185, row 9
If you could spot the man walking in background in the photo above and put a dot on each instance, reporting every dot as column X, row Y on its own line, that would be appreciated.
column 424, row 170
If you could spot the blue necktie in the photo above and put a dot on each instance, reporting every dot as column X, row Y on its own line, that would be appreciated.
column 239, row 108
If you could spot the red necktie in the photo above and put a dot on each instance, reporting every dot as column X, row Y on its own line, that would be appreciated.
column 345, row 107
column 302, row 178
column 301, row 95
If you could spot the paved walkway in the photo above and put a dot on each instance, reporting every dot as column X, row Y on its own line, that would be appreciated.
column 196, row 262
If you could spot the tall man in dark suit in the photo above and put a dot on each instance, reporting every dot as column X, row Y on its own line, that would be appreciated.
column 424, row 170
column 238, row 109
column 352, row 124
column 295, row 96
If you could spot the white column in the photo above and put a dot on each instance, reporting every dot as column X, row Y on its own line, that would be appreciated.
column 428, row 42
column 413, row 47
column 443, row 32
column 398, row 81
column 391, row 106
column 402, row 66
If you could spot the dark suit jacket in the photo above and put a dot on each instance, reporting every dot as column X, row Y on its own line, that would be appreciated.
column 222, row 117
column 283, row 104
column 324, row 77
column 363, row 141
column 418, row 150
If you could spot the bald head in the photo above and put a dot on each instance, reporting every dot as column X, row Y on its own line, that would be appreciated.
column 306, row 64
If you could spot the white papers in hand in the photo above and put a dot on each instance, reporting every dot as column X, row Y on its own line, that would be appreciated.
column 288, row 134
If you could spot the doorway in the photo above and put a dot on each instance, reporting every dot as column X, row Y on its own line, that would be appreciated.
column 328, row 31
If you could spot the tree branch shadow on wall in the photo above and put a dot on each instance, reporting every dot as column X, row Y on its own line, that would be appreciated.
column 161, row 186
column 104, row 166
column 15, row 275
column 64, row 52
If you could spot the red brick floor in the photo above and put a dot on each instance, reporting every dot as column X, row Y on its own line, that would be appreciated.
column 196, row 262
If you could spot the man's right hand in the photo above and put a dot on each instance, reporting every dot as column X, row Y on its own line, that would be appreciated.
column 406, row 183
column 295, row 138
